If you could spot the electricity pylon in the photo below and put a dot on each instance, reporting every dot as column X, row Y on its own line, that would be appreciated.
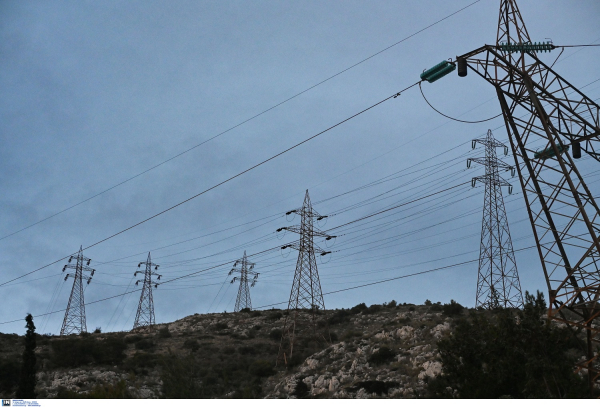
column 306, row 294
column 545, row 115
column 497, row 279
column 74, row 321
column 145, row 311
column 243, row 300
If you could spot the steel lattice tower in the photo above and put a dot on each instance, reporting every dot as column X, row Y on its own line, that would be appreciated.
column 306, row 294
column 545, row 116
column 74, row 321
column 145, row 311
column 243, row 300
column 497, row 279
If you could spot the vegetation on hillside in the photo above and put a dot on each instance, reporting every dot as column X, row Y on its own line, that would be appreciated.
column 509, row 353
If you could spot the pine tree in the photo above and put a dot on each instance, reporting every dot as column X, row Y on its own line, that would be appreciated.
column 27, row 381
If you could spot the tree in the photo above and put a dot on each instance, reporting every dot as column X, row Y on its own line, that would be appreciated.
column 513, row 353
column 27, row 380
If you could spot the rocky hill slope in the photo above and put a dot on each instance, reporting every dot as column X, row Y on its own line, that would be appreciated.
column 379, row 351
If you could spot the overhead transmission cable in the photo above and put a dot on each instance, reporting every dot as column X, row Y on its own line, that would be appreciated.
column 242, row 122
column 225, row 181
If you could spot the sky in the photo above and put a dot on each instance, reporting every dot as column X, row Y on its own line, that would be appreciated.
column 96, row 94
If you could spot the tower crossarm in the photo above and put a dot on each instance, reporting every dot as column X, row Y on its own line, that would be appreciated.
column 575, row 116
column 498, row 163
column 314, row 232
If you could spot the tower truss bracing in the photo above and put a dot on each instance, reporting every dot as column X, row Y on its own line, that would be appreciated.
column 549, row 122
column 74, row 321
column 145, row 311
column 498, row 282
column 245, row 268
column 306, row 297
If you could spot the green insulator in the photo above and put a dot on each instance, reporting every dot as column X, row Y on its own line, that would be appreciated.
column 549, row 152
column 440, row 74
column 431, row 71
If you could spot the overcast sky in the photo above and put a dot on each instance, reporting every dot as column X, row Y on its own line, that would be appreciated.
column 94, row 93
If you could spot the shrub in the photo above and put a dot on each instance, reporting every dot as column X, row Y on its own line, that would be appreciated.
column 275, row 334
column 247, row 350
column 144, row 344
column 133, row 338
column 358, row 308
column 164, row 332
column 349, row 335
column 375, row 386
column 73, row 352
column 495, row 355
column 301, row 389
column 437, row 307
column 382, row 355
column 228, row 350
column 10, row 369
column 452, row 309
column 274, row 315
column 220, row 326
column 191, row 344
column 141, row 362
column 428, row 303
column 411, row 308
column 98, row 330
column 340, row 317
column 262, row 368
column 333, row 336
column 372, row 309
column 100, row 391
column 391, row 304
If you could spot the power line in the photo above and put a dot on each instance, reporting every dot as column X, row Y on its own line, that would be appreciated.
column 225, row 181
column 241, row 123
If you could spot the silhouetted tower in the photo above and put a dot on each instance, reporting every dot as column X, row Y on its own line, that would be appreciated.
column 74, row 321
column 145, row 311
column 497, row 280
column 243, row 298
column 545, row 117
column 306, row 297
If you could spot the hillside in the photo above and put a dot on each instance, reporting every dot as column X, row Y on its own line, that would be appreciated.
column 381, row 351
column 233, row 355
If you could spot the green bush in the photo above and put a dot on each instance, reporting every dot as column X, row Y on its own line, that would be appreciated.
column 275, row 334
column 164, row 332
column 437, row 307
column 247, row 350
column 144, row 344
column 382, row 355
column 191, row 344
column 220, row 326
column 141, row 362
column 358, row 308
column 100, row 391
column 374, row 308
column 73, row 352
column 452, row 309
column 340, row 317
column 391, row 304
column 262, row 368
column 509, row 353
column 133, row 338
column 274, row 315
column 9, row 375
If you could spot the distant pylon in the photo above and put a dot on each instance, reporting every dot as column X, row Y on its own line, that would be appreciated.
column 243, row 300
column 498, row 279
column 145, row 311
column 74, row 321
column 306, row 291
